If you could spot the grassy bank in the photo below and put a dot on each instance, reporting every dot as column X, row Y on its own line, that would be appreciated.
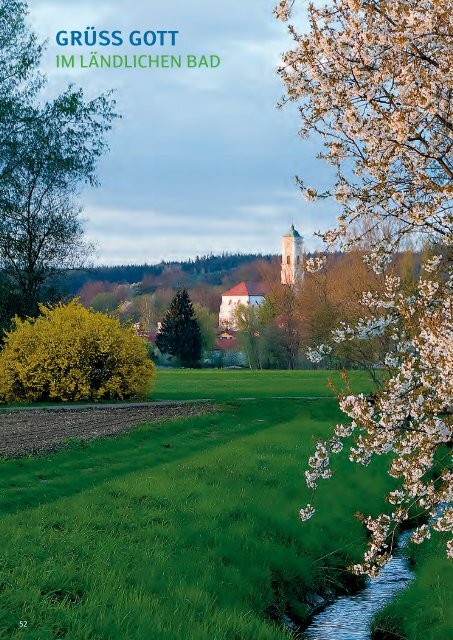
column 186, row 529
column 424, row 611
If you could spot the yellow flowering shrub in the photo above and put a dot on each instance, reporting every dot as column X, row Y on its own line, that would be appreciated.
column 70, row 353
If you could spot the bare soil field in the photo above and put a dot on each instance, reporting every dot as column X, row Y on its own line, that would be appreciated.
column 38, row 430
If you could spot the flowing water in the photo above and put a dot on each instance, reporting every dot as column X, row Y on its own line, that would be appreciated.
column 350, row 617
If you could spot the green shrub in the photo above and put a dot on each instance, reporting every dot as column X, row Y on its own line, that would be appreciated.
column 69, row 353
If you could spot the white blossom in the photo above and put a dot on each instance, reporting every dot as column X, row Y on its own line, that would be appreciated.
column 317, row 355
column 312, row 265
column 306, row 513
column 421, row 534
column 375, row 82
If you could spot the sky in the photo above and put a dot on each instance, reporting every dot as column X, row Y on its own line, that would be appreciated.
column 202, row 161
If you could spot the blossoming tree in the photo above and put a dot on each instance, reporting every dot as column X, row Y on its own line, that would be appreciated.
column 374, row 81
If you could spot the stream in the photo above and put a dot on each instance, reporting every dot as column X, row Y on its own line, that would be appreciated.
column 350, row 617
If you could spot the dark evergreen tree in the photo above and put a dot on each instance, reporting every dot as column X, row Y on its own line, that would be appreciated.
column 180, row 335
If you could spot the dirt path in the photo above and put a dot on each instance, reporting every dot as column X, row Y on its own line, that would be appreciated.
column 154, row 403
column 37, row 430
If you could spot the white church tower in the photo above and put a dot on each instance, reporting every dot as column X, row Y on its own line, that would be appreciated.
column 292, row 257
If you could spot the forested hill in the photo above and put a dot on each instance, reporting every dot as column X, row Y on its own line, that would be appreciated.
column 211, row 270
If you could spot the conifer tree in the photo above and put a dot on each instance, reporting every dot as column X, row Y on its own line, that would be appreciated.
column 180, row 335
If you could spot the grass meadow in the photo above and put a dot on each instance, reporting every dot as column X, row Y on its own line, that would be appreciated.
column 227, row 384
column 236, row 384
column 187, row 529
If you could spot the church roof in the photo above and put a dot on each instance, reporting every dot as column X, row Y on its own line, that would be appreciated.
column 247, row 289
column 292, row 233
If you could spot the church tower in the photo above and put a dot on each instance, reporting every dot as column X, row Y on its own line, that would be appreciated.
column 292, row 257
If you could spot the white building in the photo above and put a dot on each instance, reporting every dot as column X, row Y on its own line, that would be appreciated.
column 245, row 293
column 253, row 293
column 292, row 257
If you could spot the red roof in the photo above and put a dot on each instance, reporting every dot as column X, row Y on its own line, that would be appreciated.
column 227, row 345
column 247, row 289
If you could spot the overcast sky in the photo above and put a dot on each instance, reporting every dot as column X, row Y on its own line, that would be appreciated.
column 202, row 160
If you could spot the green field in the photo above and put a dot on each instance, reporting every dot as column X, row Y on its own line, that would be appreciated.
column 187, row 530
column 225, row 384
column 132, row 538
column 216, row 384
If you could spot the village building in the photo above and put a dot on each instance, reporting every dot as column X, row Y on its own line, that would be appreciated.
column 254, row 293
column 244, row 293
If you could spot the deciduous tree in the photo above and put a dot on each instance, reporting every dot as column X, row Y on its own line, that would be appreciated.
column 208, row 322
column 47, row 151
column 375, row 80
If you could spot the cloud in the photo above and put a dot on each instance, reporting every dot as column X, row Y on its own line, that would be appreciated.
column 202, row 160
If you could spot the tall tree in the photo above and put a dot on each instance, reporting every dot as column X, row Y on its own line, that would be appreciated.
column 47, row 151
column 288, row 321
column 180, row 335
column 375, row 77
column 20, row 80
column 331, row 296
column 250, row 333
column 208, row 322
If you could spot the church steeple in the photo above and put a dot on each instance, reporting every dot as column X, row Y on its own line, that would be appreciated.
column 292, row 256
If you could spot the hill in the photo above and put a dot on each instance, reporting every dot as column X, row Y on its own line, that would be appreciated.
column 209, row 270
